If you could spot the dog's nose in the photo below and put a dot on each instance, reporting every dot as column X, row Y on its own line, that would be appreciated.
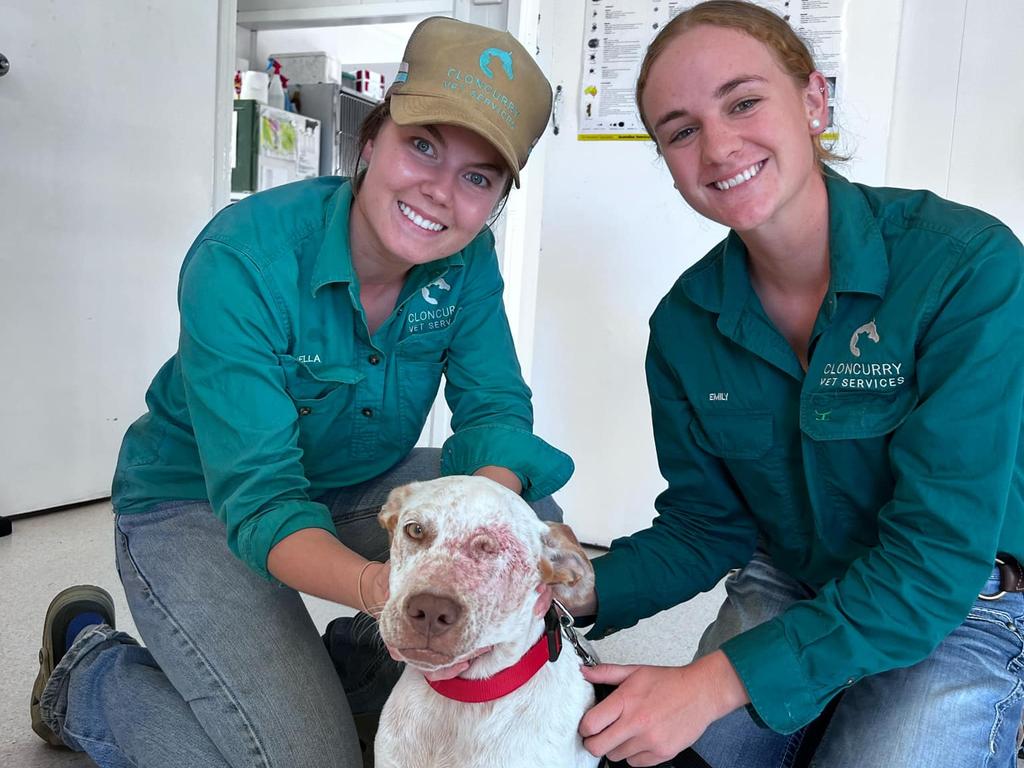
column 432, row 615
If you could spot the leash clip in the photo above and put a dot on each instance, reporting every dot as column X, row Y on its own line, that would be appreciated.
column 568, row 625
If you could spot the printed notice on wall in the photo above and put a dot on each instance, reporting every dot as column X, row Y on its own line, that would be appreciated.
column 616, row 34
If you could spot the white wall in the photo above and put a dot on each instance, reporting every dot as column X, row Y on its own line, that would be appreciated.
column 958, row 119
column 245, row 48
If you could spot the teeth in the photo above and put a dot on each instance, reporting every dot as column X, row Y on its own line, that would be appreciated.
column 739, row 178
column 418, row 220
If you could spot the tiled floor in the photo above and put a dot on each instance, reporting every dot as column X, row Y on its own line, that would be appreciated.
column 47, row 553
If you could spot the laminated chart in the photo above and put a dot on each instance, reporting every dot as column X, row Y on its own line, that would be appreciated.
column 616, row 34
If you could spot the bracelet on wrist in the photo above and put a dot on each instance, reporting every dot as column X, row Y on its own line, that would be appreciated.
column 359, row 586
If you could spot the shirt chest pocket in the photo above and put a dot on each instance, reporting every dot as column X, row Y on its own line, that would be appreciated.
column 734, row 434
column 421, row 362
column 845, row 415
column 329, row 387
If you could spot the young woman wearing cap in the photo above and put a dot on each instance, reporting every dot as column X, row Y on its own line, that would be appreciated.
column 837, row 397
column 316, row 322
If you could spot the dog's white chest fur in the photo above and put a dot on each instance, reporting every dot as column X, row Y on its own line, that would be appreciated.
column 535, row 726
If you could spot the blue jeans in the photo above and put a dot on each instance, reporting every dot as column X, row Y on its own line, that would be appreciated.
column 958, row 708
column 234, row 672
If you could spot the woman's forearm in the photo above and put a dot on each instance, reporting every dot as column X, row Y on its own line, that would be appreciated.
column 315, row 562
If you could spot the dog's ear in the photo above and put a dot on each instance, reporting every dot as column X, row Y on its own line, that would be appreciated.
column 388, row 515
column 565, row 566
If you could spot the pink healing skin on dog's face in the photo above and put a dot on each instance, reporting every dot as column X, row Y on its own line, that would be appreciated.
column 476, row 572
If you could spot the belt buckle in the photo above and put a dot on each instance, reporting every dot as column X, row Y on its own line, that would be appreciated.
column 1002, row 592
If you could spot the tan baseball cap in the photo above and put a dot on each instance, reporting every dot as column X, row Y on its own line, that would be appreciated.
column 476, row 77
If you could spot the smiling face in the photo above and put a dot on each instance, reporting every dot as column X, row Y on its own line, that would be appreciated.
column 428, row 191
column 734, row 129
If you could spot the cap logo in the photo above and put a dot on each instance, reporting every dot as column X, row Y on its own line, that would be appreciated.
column 505, row 57
column 403, row 72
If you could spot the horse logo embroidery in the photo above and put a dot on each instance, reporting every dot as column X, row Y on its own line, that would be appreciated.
column 870, row 329
column 505, row 57
column 440, row 284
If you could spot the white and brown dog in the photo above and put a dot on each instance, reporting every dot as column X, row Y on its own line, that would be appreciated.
column 466, row 558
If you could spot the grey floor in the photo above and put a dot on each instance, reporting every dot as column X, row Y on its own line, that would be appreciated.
column 50, row 552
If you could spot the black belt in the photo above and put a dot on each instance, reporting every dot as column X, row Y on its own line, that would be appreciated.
column 1011, row 576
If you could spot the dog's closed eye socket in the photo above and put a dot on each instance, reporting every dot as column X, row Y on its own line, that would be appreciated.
column 485, row 545
column 414, row 530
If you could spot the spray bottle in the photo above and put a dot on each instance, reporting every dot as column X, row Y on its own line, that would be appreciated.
column 275, row 91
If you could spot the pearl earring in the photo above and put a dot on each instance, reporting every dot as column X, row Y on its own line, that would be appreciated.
column 815, row 124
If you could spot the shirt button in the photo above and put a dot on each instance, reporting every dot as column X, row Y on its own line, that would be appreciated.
column 374, row 359
column 850, row 681
column 305, row 410
column 368, row 412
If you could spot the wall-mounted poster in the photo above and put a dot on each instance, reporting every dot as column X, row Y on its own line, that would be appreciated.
column 616, row 34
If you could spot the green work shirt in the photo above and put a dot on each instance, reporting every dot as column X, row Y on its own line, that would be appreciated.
column 885, row 478
column 278, row 393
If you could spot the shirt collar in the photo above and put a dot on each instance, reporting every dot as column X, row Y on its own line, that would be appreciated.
column 859, row 262
column 334, row 261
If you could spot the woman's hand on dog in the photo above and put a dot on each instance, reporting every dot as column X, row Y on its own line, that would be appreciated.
column 657, row 712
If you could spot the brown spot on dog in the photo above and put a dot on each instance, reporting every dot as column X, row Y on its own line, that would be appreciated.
column 565, row 566
column 388, row 515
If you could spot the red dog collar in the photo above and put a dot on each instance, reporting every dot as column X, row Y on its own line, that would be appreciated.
column 502, row 683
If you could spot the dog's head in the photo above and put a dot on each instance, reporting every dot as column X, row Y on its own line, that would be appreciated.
column 466, row 558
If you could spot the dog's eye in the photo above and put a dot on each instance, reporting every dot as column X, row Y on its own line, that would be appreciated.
column 414, row 530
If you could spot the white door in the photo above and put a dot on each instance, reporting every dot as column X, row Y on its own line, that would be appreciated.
column 107, row 165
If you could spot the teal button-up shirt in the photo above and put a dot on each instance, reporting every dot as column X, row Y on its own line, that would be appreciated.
column 278, row 393
column 886, row 477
